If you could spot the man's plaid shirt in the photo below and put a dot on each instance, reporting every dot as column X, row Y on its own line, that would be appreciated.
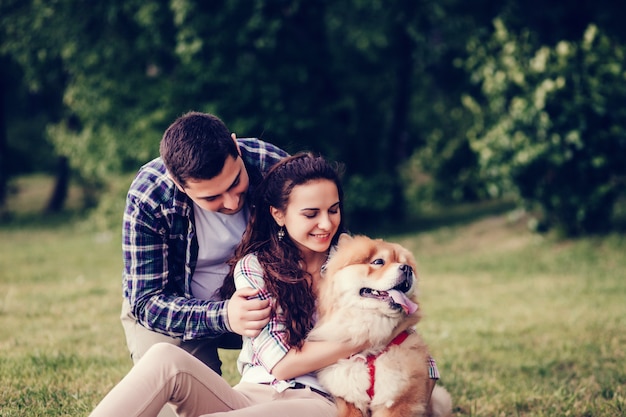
column 160, row 249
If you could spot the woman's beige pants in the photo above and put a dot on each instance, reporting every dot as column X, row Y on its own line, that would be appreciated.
column 167, row 373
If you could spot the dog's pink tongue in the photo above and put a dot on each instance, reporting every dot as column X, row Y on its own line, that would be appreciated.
column 398, row 297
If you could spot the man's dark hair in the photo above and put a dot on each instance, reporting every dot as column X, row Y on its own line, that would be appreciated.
column 196, row 146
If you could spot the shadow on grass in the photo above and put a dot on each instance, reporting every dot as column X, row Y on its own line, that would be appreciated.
column 457, row 215
column 39, row 220
column 27, row 199
column 431, row 219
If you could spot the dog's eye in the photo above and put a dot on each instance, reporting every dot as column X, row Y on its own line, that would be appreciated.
column 378, row 261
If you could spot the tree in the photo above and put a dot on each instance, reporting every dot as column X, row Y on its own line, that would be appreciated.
column 370, row 83
column 33, row 84
column 553, row 129
column 4, row 174
column 305, row 75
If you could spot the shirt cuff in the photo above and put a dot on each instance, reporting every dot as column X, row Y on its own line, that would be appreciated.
column 225, row 316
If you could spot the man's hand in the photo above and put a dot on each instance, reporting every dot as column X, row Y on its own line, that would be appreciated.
column 247, row 317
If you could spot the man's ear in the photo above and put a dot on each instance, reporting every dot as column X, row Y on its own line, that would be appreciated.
column 234, row 136
column 278, row 215
column 180, row 187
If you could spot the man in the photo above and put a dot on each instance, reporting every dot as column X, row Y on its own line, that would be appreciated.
column 185, row 213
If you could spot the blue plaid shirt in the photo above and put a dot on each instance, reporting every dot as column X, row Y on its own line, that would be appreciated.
column 160, row 249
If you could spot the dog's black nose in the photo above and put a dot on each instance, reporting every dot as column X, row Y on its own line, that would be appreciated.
column 406, row 269
column 407, row 278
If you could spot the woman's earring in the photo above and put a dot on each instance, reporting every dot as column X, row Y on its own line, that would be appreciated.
column 281, row 233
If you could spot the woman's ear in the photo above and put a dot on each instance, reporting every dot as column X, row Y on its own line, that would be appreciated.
column 278, row 215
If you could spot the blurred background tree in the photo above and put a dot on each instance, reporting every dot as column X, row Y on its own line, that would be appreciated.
column 391, row 88
column 552, row 130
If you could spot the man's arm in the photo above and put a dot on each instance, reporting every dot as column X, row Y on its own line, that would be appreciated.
column 156, row 297
column 247, row 314
column 155, row 290
column 155, row 229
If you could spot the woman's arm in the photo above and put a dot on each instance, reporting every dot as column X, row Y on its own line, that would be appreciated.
column 270, row 346
column 312, row 356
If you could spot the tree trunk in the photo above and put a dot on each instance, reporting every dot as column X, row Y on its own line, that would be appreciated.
column 61, row 186
column 3, row 145
column 398, row 134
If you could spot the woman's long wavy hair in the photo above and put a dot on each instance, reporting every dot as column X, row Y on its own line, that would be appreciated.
column 285, row 277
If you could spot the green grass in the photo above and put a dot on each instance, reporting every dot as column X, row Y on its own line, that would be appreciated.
column 523, row 325
column 520, row 325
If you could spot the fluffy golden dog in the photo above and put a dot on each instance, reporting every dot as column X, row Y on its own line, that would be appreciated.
column 368, row 294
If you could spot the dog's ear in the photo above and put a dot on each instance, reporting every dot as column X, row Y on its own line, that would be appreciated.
column 344, row 237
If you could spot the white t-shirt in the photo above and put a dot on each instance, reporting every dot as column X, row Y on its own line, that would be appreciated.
column 218, row 236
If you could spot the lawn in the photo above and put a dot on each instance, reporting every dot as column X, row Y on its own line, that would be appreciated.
column 520, row 324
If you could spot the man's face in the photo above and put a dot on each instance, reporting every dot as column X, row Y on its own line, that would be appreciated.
column 224, row 193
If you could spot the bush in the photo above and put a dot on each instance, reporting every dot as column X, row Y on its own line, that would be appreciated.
column 553, row 130
column 368, row 200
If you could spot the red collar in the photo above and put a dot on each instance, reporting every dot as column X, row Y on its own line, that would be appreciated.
column 401, row 337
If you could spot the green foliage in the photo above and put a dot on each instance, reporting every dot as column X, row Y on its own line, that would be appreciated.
column 551, row 126
column 444, row 170
column 95, row 54
column 367, row 82
column 367, row 199
column 355, row 81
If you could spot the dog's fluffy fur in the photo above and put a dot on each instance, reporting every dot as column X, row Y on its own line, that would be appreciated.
column 369, row 294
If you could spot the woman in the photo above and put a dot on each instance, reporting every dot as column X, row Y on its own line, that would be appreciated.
column 295, row 220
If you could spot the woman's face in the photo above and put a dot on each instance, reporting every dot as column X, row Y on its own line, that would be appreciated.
column 312, row 215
